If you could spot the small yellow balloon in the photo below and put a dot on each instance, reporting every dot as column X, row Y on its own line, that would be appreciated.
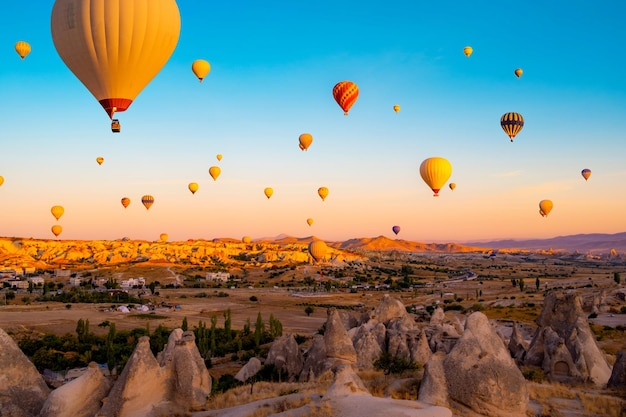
column 309, row 221
column 193, row 187
column 268, row 192
column 99, row 160
column 200, row 68
column 1, row 180
column 306, row 139
column 323, row 192
column 163, row 237
column 57, row 229
column 57, row 211
column 545, row 207
column 215, row 172
column 518, row 72
column 468, row 51
column 219, row 156
column 317, row 250
column 396, row 108
column 452, row 186
column 22, row 48
column 125, row 201
column 246, row 239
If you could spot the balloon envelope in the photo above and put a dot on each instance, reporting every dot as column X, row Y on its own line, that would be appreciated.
column 518, row 72
column 219, row 156
column 435, row 172
column 512, row 123
column 317, row 250
column 323, row 192
column 396, row 108
column 309, row 221
column 193, row 187
column 125, row 201
column 1, row 180
column 306, row 139
column 396, row 229
column 345, row 94
column 452, row 186
column 246, row 239
column 22, row 48
column 115, row 47
column 468, row 51
column 163, row 237
column 545, row 206
column 215, row 172
column 200, row 68
column 57, row 211
column 57, row 229
column 268, row 192
column 586, row 173
column 99, row 160
column 147, row 201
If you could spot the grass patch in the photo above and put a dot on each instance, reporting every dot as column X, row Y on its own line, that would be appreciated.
column 148, row 316
column 525, row 313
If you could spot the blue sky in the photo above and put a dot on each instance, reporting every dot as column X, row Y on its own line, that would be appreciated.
column 273, row 66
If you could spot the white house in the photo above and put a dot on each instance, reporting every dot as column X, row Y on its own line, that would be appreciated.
column 18, row 284
column 217, row 276
column 127, row 284
column 36, row 280
column 75, row 281
column 62, row 272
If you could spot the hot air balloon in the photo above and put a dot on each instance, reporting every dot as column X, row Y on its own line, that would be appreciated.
column 452, row 186
column 193, row 187
column 215, row 172
column 22, row 48
column 125, row 201
column 57, row 229
column 306, row 139
column 57, row 211
column 200, row 68
column 396, row 229
column 518, row 72
column 512, row 123
column 323, row 192
column 246, row 239
column 1, row 180
column 545, row 206
column 147, row 201
column 586, row 173
column 396, row 108
column 317, row 250
column 345, row 94
column 435, row 172
column 219, row 156
column 468, row 51
column 115, row 48
column 268, row 192
column 309, row 221
column 99, row 160
column 163, row 237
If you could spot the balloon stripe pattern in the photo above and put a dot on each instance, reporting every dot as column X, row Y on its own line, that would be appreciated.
column 512, row 123
column 115, row 47
column 345, row 94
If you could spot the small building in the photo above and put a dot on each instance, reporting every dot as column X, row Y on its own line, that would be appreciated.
column 38, row 280
column 75, row 281
column 217, row 276
column 133, row 283
column 62, row 273
column 18, row 284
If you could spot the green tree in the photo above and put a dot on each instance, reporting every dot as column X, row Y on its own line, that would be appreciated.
column 537, row 283
column 309, row 310
column 276, row 327
column 185, row 325
column 110, row 347
column 617, row 278
column 521, row 284
column 212, row 335
column 259, row 330
column 228, row 325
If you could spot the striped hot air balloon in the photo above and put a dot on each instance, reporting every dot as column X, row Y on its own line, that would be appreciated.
column 345, row 94
column 147, row 201
column 512, row 123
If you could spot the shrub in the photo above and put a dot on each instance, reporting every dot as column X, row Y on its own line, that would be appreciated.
column 534, row 375
column 254, row 298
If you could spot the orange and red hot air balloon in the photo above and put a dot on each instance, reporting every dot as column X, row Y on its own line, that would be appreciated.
column 345, row 94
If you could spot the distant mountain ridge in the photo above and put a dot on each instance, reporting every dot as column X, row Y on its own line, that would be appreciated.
column 591, row 242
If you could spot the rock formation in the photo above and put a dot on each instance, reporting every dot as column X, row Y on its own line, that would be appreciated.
column 22, row 389
column 479, row 374
column 339, row 347
column 248, row 370
column 285, row 355
column 618, row 376
column 564, row 345
column 81, row 397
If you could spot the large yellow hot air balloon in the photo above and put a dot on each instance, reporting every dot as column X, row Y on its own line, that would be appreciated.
column 219, row 156
column 57, row 229
column 200, row 68
column 163, row 237
column 57, row 211
column 147, row 201
column 306, row 139
column 115, row 47
column 512, row 123
column 268, row 192
column 468, row 51
column 309, row 221
column 435, row 172
column 99, row 160
column 22, row 48
column 586, row 173
column 345, row 94
column 1, row 180
column 317, row 250
column 396, row 108
column 323, row 192
column 193, row 187
column 545, row 206
column 125, row 201
column 215, row 172
column 518, row 72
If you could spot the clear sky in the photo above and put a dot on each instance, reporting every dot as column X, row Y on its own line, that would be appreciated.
column 273, row 67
